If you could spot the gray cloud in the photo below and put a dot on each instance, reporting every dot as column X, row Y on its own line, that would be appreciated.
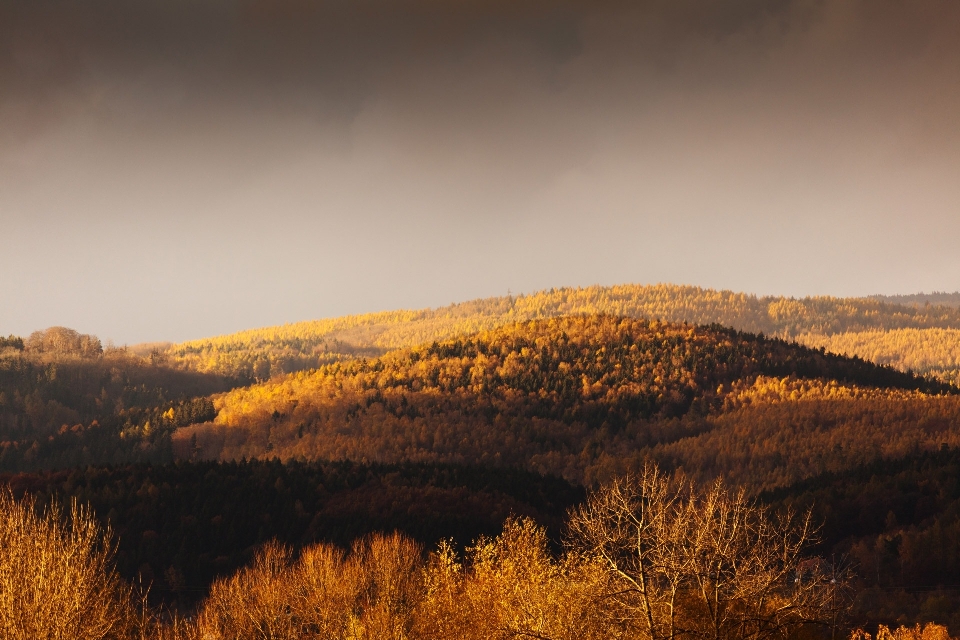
column 175, row 169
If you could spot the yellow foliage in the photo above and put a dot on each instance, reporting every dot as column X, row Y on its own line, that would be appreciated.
column 261, row 353
column 931, row 351
column 56, row 578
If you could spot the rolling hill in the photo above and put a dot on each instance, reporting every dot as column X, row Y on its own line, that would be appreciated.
column 586, row 397
column 441, row 423
column 819, row 321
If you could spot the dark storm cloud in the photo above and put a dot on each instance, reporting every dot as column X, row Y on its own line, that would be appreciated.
column 414, row 152
column 155, row 61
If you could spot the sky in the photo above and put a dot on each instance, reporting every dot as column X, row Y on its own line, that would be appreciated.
column 174, row 169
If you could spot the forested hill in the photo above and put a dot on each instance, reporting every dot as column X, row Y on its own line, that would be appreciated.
column 261, row 353
column 936, row 298
column 570, row 396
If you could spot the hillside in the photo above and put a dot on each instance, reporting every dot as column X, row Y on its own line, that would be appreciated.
column 935, row 298
column 898, row 524
column 583, row 397
column 261, row 353
column 64, row 401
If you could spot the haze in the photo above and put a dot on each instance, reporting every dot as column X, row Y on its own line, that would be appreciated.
column 171, row 170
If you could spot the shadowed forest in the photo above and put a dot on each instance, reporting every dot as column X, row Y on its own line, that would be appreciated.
column 509, row 467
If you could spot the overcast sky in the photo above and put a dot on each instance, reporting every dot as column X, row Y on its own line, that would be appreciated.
column 172, row 169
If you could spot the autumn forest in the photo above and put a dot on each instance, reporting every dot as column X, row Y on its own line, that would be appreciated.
column 605, row 462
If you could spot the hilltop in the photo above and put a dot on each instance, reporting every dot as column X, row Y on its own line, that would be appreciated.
column 580, row 396
column 936, row 298
column 818, row 321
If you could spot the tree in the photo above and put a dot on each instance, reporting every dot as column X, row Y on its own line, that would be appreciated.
column 56, row 577
column 707, row 563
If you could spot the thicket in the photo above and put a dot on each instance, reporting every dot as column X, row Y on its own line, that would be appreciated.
column 182, row 525
column 647, row 557
column 56, row 577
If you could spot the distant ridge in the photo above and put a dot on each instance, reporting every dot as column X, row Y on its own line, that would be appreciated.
column 940, row 298
column 584, row 397
column 259, row 354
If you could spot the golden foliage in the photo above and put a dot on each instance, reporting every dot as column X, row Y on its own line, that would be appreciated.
column 260, row 353
column 930, row 631
column 56, row 578
column 584, row 397
column 513, row 587
column 933, row 352
column 323, row 594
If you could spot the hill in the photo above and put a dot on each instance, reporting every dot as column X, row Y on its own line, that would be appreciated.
column 936, row 298
column 582, row 397
column 65, row 401
column 898, row 524
column 261, row 353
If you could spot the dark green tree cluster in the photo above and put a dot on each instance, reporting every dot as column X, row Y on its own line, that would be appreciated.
column 11, row 342
column 897, row 522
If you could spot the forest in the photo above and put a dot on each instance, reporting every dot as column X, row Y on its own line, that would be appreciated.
column 490, row 449
column 261, row 353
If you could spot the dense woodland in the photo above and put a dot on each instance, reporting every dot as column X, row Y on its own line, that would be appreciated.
column 64, row 403
column 941, row 298
column 643, row 557
column 261, row 353
column 587, row 398
column 898, row 524
column 180, row 526
column 444, row 424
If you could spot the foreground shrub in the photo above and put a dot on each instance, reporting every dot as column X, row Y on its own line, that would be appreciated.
column 369, row 594
column 56, row 577
column 929, row 632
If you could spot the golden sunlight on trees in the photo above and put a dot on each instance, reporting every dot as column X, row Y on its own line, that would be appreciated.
column 370, row 594
column 648, row 557
column 930, row 631
column 56, row 577
column 60, row 341
column 269, row 351
column 691, row 563
column 934, row 352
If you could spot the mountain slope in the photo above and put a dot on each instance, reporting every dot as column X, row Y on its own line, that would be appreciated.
column 578, row 396
column 260, row 353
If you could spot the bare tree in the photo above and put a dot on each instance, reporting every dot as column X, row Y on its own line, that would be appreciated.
column 704, row 564
column 56, row 577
